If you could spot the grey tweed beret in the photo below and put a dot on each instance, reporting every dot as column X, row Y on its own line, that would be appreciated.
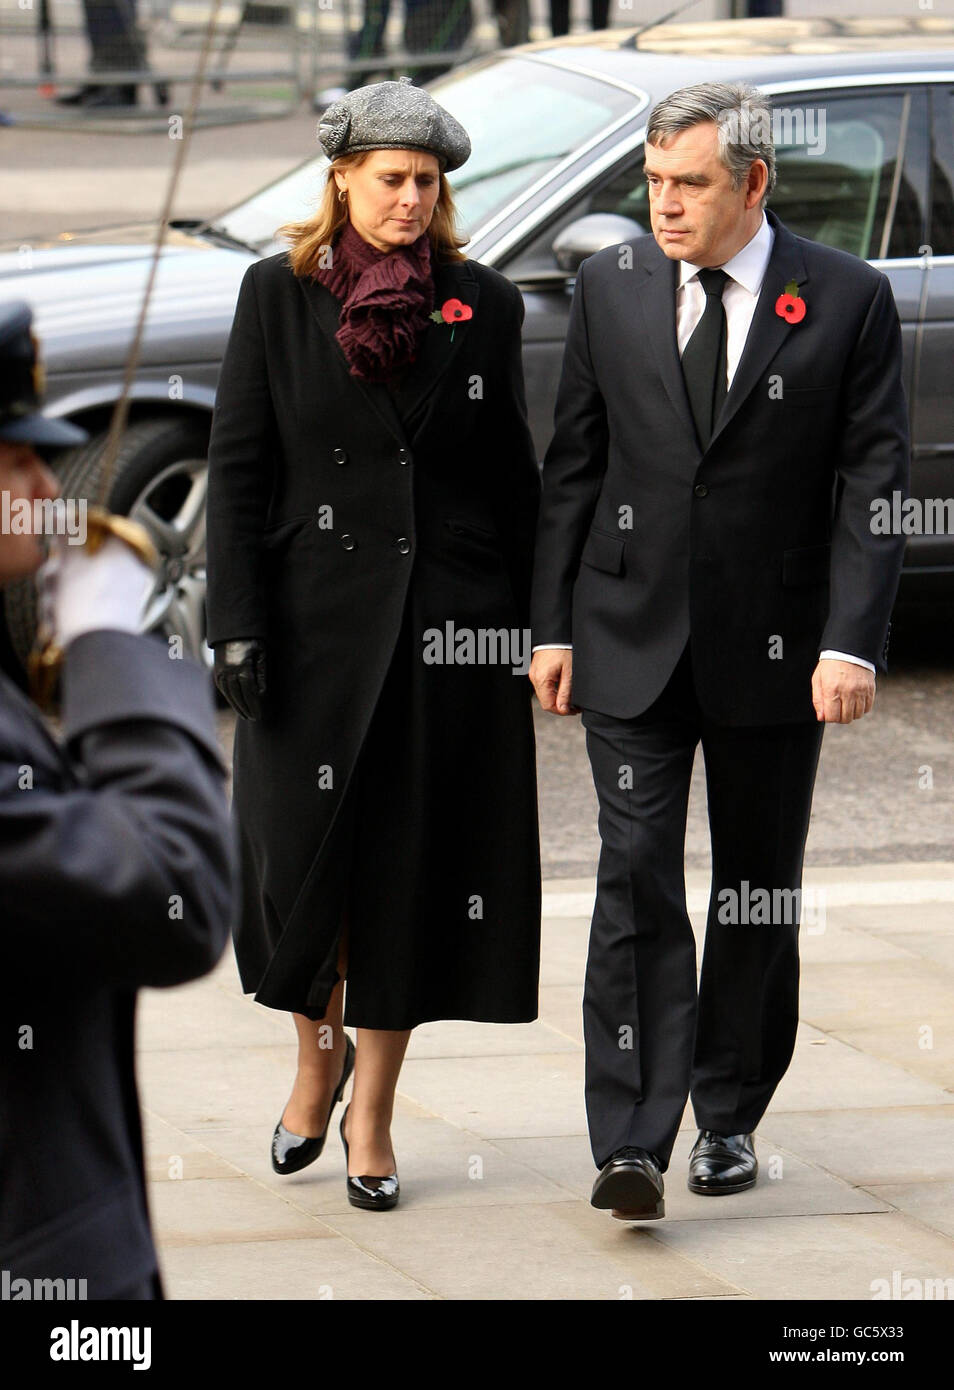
column 393, row 116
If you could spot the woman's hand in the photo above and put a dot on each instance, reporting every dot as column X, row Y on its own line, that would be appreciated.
column 240, row 675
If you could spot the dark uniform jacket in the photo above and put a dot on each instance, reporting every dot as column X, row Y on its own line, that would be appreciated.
column 116, row 871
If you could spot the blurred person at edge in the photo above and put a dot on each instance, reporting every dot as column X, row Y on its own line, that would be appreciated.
column 116, row 871
column 432, row 26
column 560, row 16
column 364, row 495
column 117, row 43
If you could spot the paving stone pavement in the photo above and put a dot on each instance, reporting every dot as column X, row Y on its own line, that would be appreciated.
column 856, row 1152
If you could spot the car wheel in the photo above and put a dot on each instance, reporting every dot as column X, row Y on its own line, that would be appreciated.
column 160, row 480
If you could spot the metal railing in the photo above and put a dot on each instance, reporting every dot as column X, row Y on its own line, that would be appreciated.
column 275, row 54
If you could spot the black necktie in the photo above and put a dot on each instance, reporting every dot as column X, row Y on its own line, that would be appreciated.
column 704, row 361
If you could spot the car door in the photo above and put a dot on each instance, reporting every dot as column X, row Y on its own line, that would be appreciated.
column 930, row 556
column 854, row 176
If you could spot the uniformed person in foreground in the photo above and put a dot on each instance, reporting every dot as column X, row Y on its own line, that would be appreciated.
column 116, row 871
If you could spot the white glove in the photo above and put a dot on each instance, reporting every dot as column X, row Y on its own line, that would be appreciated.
column 80, row 592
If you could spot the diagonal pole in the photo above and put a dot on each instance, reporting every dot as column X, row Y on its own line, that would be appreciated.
column 120, row 414
column 46, row 658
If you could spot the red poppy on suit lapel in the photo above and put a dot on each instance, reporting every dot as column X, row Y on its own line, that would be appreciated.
column 452, row 311
column 789, row 306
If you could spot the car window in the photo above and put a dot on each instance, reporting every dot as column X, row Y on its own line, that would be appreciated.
column 522, row 117
column 838, row 178
column 624, row 192
column 941, row 233
column 844, row 179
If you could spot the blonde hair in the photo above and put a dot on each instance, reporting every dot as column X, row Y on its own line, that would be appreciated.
column 309, row 238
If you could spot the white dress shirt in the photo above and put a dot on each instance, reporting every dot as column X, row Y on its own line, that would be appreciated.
column 746, row 271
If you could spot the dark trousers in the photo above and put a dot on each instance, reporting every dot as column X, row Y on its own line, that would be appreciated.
column 430, row 26
column 650, row 1039
column 434, row 26
column 115, row 39
column 560, row 16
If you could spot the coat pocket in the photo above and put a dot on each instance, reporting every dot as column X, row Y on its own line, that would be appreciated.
column 278, row 532
column 476, row 540
column 807, row 565
column 603, row 552
column 475, row 530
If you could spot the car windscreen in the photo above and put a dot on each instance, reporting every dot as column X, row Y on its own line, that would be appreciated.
column 523, row 117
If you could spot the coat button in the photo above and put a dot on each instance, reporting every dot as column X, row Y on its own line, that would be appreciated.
column 340, row 456
column 402, row 456
column 701, row 490
column 348, row 542
column 403, row 544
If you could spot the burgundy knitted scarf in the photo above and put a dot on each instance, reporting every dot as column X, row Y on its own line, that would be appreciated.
column 386, row 300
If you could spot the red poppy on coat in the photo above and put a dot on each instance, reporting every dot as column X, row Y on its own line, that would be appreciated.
column 790, row 306
column 453, row 310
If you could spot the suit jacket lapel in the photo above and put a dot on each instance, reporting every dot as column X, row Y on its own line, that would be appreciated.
column 767, row 332
column 657, row 300
column 441, row 342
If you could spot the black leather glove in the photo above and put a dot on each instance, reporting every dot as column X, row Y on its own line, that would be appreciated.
column 239, row 674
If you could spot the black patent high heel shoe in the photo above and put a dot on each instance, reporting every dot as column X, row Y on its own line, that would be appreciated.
column 292, row 1152
column 373, row 1194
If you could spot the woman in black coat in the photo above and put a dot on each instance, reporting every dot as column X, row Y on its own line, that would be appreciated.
column 372, row 502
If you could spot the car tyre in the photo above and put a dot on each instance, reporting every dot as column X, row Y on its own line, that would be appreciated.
column 160, row 479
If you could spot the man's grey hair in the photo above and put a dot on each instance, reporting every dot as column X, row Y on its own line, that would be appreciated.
column 742, row 116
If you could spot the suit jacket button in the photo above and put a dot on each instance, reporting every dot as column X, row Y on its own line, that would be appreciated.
column 402, row 456
column 701, row 490
column 403, row 544
column 340, row 456
column 348, row 542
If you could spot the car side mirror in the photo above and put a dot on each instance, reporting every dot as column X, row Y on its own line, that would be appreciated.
column 590, row 234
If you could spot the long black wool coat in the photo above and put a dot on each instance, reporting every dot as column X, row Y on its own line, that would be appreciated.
column 348, row 525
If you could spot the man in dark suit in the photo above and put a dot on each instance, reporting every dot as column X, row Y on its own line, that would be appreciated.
column 730, row 407
column 116, row 871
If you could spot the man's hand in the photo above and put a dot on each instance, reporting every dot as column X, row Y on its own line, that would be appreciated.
column 841, row 691
column 551, row 674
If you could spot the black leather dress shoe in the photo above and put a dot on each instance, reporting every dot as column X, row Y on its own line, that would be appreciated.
column 630, row 1185
column 110, row 96
column 79, row 96
column 370, row 1193
column 292, row 1152
column 96, row 95
column 722, row 1163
